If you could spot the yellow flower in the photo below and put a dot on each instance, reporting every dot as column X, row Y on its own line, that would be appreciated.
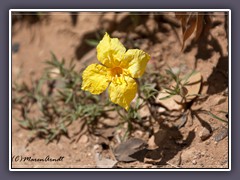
column 118, row 70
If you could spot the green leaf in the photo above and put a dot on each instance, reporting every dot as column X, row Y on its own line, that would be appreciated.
column 166, row 97
column 186, row 77
column 216, row 117
column 44, row 131
column 24, row 124
column 173, row 76
column 63, row 128
column 69, row 98
column 92, row 42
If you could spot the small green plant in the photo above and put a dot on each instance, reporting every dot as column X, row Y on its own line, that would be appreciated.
column 54, row 101
column 217, row 117
column 179, row 87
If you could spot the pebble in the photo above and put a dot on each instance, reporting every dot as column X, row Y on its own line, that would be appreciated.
column 221, row 135
column 54, row 73
column 83, row 139
column 97, row 148
column 110, row 122
column 74, row 146
column 15, row 47
column 138, row 134
column 194, row 162
column 207, row 142
column 204, row 134
column 202, row 153
column 161, row 109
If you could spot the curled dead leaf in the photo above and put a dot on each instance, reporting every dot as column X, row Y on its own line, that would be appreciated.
column 193, row 22
column 133, row 149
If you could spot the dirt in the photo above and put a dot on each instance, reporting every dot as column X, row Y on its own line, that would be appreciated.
column 202, row 142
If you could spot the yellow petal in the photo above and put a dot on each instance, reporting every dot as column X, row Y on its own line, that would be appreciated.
column 135, row 61
column 110, row 51
column 95, row 79
column 123, row 93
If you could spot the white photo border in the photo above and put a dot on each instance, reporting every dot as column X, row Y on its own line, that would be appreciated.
column 118, row 10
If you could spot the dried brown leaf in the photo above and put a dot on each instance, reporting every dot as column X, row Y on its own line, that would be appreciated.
column 191, row 26
column 193, row 22
column 207, row 23
column 182, row 16
column 199, row 27
column 132, row 150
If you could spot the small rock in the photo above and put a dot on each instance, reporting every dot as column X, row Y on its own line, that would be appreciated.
column 54, row 73
column 106, row 132
column 103, row 162
column 169, row 103
column 97, row 148
column 161, row 109
column 110, row 122
column 83, row 139
column 15, row 47
column 194, row 162
column 221, row 135
column 138, row 134
column 204, row 134
column 74, row 146
column 207, row 142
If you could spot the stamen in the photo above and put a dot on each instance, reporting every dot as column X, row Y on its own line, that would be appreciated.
column 116, row 71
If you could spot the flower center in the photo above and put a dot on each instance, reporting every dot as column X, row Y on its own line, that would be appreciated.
column 116, row 71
